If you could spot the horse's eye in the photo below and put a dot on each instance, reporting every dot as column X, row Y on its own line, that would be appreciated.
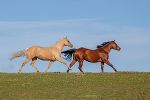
column 68, row 41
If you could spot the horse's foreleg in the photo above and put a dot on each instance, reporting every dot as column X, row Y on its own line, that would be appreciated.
column 23, row 64
column 33, row 64
column 108, row 63
column 71, row 64
column 63, row 62
column 49, row 65
column 102, row 66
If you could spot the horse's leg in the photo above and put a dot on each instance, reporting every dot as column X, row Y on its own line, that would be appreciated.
column 71, row 64
column 33, row 64
column 49, row 65
column 80, row 66
column 108, row 63
column 23, row 64
column 102, row 66
column 63, row 62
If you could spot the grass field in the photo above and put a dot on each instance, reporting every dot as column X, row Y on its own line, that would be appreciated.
column 74, row 86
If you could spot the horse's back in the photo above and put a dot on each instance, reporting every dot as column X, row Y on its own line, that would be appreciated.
column 82, row 49
column 37, row 49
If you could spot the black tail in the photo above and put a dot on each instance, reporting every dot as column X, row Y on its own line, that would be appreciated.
column 68, row 53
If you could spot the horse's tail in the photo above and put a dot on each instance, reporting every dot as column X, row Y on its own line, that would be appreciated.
column 68, row 53
column 18, row 54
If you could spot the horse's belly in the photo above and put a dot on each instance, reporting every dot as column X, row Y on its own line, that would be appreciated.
column 93, row 59
column 46, row 57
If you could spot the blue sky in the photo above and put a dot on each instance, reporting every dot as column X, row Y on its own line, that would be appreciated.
column 85, row 22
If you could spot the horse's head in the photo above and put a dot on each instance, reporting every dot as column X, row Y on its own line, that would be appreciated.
column 67, row 42
column 115, row 46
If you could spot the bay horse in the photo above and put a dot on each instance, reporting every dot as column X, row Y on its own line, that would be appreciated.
column 51, row 54
column 101, row 54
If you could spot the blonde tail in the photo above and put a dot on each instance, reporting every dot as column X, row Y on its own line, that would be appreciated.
column 18, row 54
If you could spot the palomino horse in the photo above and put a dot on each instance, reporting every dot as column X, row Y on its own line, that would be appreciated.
column 101, row 54
column 52, row 54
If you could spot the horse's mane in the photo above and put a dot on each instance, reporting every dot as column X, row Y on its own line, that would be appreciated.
column 57, row 41
column 103, row 44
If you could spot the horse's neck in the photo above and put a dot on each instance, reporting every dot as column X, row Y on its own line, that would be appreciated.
column 59, row 45
column 107, row 48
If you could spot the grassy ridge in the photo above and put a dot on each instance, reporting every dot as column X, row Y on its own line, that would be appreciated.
column 73, row 86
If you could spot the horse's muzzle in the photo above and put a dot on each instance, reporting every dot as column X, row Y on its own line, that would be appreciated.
column 118, row 48
column 71, row 46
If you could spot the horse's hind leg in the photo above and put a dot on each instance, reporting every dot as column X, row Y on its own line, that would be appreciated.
column 71, row 64
column 23, row 64
column 108, row 63
column 80, row 66
column 33, row 64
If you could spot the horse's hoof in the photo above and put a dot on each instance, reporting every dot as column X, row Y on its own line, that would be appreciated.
column 67, row 71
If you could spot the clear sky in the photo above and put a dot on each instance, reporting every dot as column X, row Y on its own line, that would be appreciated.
column 24, row 23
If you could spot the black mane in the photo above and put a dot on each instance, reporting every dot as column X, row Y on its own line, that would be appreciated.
column 103, row 44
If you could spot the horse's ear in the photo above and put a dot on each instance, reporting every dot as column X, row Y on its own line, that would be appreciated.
column 114, row 40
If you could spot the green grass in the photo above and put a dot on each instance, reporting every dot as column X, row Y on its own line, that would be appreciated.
column 74, row 86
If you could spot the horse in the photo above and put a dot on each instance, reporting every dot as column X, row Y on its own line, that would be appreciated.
column 51, row 54
column 101, row 54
